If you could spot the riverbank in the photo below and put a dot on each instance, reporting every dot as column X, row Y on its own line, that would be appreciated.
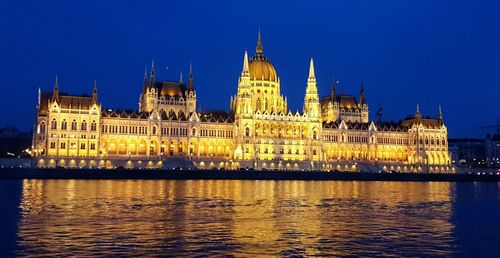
column 34, row 173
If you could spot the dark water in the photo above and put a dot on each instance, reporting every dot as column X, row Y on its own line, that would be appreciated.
column 248, row 218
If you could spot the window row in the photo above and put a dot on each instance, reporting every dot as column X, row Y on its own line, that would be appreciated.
column 124, row 129
column 215, row 133
column 74, row 125
column 73, row 145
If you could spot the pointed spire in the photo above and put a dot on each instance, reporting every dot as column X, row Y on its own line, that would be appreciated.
column 259, row 50
column 180, row 79
column 145, row 81
column 311, row 98
column 312, row 76
column 440, row 115
column 94, row 92
column 333, row 95
column 311, row 80
column 39, row 97
column 190, row 80
column 153, row 74
column 362, row 99
column 246, row 70
column 55, row 94
column 417, row 113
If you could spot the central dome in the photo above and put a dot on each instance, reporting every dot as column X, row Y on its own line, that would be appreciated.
column 259, row 67
column 262, row 69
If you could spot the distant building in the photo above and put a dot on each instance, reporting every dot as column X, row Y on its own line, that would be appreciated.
column 492, row 145
column 259, row 131
column 467, row 151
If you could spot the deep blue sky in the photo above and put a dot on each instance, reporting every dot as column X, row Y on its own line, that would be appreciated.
column 405, row 51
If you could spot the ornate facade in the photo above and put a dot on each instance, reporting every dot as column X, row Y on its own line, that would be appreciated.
column 259, row 131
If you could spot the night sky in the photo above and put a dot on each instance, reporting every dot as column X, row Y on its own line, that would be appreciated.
column 406, row 52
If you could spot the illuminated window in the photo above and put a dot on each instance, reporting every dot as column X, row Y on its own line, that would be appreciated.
column 53, row 124
column 42, row 127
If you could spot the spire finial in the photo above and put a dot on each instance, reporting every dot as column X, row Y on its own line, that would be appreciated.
column 417, row 113
column 260, row 49
column 246, row 70
column 55, row 94
column 312, row 75
column 440, row 114
column 94, row 92
column 180, row 79
column 362, row 99
column 190, row 80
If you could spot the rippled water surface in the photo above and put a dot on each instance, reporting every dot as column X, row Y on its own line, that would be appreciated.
column 248, row 218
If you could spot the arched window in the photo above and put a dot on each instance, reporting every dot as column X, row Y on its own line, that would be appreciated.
column 247, row 132
column 193, row 132
column 64, row 124
column 53, row 124
column 42, row 128
column 73, row 125
column 93, row 126
column 154, row 129
column 315, row 135
column 84, row 125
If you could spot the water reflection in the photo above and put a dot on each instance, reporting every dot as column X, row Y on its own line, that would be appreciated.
column 242, row 218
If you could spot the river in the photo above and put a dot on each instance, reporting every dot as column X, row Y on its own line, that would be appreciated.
column 247, row 218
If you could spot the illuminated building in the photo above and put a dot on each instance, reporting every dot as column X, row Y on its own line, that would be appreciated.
column 259, row 131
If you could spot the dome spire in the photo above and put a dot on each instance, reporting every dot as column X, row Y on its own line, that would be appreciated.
column 259, row 51
column 418, row 115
